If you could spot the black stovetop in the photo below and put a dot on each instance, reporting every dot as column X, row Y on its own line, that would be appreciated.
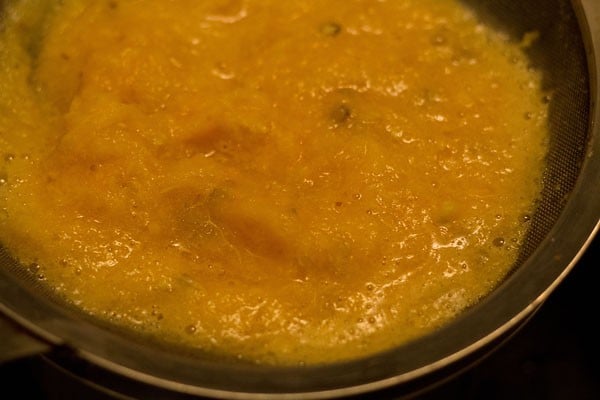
column 555, row 356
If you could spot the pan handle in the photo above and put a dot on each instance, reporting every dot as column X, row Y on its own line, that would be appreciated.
column 16, row 342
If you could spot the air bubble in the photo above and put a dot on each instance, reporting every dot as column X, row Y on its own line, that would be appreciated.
column 498, row 242
column 190, row 329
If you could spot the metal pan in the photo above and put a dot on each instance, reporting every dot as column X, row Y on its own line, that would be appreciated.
column 567, row 219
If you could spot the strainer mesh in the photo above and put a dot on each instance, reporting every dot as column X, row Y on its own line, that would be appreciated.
column 559, row 53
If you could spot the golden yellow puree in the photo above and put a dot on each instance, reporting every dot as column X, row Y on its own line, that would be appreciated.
column 282, row 181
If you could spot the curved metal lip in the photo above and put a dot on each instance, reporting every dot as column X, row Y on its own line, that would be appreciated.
column 511, row 313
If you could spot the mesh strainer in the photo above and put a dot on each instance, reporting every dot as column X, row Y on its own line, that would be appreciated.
column 566, row 220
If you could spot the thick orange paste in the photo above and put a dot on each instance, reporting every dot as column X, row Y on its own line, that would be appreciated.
column 281, row 181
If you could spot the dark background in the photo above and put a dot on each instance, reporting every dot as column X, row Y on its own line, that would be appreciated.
column 555, row 356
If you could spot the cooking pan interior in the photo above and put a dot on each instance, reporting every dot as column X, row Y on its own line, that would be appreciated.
column 562, row 53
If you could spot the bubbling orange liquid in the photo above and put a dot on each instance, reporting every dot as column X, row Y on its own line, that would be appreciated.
column 282, row 181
